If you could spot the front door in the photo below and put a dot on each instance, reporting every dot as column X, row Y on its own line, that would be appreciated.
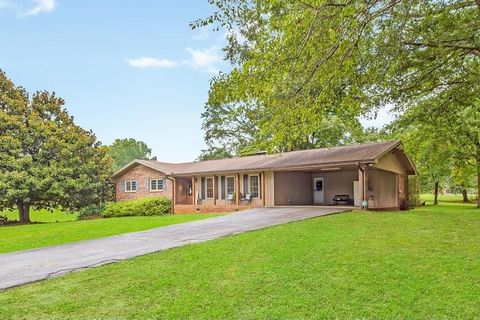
column 318, row 190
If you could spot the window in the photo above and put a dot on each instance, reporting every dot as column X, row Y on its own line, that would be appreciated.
column 254, row 186
column 156, row 185
column 130, row 186
column 209, row 188
column 230, row 185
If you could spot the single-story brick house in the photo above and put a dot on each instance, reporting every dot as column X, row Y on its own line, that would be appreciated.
column 375, row 173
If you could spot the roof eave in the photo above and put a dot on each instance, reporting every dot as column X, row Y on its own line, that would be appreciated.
column 129, row 165
column 285, row 168
column 395, row 144
column 413, row 171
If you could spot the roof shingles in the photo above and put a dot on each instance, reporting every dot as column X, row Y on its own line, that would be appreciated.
column 313, row 157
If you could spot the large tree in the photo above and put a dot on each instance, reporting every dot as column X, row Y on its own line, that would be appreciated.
column 299, row 63
column 433, row 160
column 442, row 143
column 123, row 151
column 214, row 153
column 46, row 160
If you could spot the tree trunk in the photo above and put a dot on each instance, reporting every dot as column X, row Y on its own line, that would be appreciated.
column 435, row 199
column 23, row 211
column 477, row 145
column 478, row 172
column 465, row 195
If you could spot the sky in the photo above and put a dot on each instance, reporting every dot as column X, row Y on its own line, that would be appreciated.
column 126, row 69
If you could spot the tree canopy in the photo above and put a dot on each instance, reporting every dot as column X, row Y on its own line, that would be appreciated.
column 46, row 160
column 123, row 151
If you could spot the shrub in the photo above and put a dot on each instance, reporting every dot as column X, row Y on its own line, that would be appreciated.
column 93, row 211
column 3, row 219
column 140, row 207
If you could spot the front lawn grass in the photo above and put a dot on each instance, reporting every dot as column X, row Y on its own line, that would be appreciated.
column 424, row 263
column 42, row 215
column 21, row 237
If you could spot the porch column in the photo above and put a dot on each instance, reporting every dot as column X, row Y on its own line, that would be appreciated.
column 262, row 194
column 194, row 197
column 215, row 190
column 237, row 189
column 174, row 195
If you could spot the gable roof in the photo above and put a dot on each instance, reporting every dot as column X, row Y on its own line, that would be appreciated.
column 163, row 167
column 365, row 153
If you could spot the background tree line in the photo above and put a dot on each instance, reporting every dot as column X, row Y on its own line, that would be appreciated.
column 305, row 71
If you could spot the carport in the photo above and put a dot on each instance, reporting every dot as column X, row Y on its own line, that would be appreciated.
column 316, row 186
column 319, row 186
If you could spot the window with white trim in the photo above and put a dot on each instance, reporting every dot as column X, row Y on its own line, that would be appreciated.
column 157, row 185
column 209, row 188
column 254, row 186
column 131, row 186
column 230, row 185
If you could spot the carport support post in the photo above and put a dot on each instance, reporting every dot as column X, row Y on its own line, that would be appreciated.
column 174, row 195
column 361, row 183
column 194, row 197
column 365, row 184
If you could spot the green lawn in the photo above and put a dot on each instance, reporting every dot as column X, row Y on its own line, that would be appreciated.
column 42, row 215
column 451, row 198
column 13, row 238
column 424, row 263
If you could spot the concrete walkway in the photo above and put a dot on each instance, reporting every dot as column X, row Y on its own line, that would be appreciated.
column 23, row 267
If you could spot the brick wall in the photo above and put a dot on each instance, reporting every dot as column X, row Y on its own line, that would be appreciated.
column 141, row 174
column 185, row 208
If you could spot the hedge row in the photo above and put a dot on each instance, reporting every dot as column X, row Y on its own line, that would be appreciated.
column 140, row 207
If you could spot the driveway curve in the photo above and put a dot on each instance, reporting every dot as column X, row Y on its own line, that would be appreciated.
column 17, row 268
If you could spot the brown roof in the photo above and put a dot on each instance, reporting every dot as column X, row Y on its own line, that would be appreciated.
column 304, row 158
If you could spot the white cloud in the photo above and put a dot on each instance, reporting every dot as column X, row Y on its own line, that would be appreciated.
column 24, row 8
column 8, row 5
column 205, row 59
column 201, row 34
column 41, row 6
column 4, row 4
column 148, row 62
column 384, row 116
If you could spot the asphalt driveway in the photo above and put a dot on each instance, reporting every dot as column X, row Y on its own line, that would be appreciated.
column 17, row 268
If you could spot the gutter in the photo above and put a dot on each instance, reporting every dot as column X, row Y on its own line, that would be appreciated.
column 296, row 167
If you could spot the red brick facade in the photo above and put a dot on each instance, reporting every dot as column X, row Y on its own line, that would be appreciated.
column 142, row 174
column 182, row 208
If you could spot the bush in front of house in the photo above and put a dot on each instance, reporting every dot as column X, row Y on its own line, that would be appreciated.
column 140, row 207
column 93, row 211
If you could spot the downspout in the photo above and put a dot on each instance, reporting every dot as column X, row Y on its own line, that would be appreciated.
column 363, row 169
